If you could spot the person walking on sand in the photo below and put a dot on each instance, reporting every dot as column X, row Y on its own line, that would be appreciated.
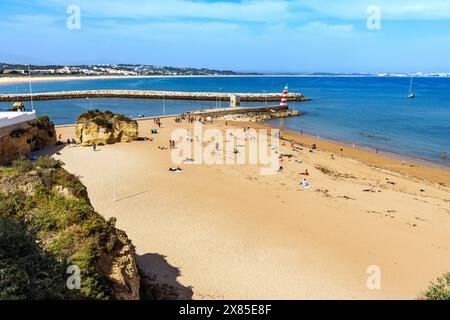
column 342, row 152
column 94, row 147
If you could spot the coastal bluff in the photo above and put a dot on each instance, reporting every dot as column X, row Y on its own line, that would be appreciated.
column 17, row 140
column 97, row 127
column 149, row 94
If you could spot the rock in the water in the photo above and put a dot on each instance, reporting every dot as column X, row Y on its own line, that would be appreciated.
column 97, row 127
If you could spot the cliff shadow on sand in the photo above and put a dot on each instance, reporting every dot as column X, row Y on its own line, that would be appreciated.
column 159, row 279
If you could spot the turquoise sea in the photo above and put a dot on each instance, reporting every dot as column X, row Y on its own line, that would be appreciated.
column 370, row 111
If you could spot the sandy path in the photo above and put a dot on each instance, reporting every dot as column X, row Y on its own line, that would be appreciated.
column 225, row 231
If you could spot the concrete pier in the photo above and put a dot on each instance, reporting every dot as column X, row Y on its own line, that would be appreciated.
column 147, row 94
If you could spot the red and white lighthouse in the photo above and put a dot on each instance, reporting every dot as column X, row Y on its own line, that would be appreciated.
column 283, row 102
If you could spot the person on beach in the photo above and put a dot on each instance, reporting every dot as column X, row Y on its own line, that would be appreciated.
column 68, row 142
column 305, row 184
column 342, row 152
column 94, row 147
column 306, row 173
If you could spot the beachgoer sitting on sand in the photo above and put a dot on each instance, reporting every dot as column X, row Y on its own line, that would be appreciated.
column 305, row 184
column 372, row 190
column 314, row 147
column 306, row 173
column 280, row 169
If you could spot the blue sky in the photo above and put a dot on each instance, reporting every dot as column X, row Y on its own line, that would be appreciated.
column 248, row 35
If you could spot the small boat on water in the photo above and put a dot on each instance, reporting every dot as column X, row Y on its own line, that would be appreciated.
column 411, row 94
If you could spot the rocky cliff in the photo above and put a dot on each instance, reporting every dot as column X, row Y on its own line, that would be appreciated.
column 97, row 127
column 50, row 208
column 20, row 139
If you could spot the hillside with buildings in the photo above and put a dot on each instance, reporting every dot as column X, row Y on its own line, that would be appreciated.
column 107, row 69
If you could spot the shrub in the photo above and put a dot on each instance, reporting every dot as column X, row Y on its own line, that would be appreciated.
column 13, row 203
column 102, row 122
column 121, row 117
column 440, row 289
column 46, row 162
column 26, row 271
column 44, row 122
column 22, row 165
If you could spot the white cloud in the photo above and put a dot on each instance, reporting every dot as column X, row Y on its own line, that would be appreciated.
column 246, row 10
column 391, row 9
column 328, row 28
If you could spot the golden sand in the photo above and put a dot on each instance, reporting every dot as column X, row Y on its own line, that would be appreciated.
column 227, row 232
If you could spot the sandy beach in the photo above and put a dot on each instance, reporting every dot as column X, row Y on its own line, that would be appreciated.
column 227, row 232
column 25, row 79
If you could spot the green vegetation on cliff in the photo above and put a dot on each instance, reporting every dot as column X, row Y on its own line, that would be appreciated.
column 104, row 118
column 46, row 224
column 440, row 289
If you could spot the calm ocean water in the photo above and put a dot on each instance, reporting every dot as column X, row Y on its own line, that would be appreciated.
column 372, row 112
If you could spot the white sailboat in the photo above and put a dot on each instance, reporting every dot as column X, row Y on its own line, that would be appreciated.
column 411, row 94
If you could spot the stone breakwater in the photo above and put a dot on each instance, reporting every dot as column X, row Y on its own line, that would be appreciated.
column 147, row 94
column 254, row 114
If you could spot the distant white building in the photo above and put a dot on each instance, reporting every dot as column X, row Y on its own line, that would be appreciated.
column 9, row 118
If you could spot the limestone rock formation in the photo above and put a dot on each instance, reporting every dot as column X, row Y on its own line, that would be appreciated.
column 17, row 106
column 97, row 127
column 18, row 140
column 260, row 116
column 121, row 269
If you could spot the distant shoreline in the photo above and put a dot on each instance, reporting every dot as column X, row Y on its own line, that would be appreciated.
column 8, row 80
